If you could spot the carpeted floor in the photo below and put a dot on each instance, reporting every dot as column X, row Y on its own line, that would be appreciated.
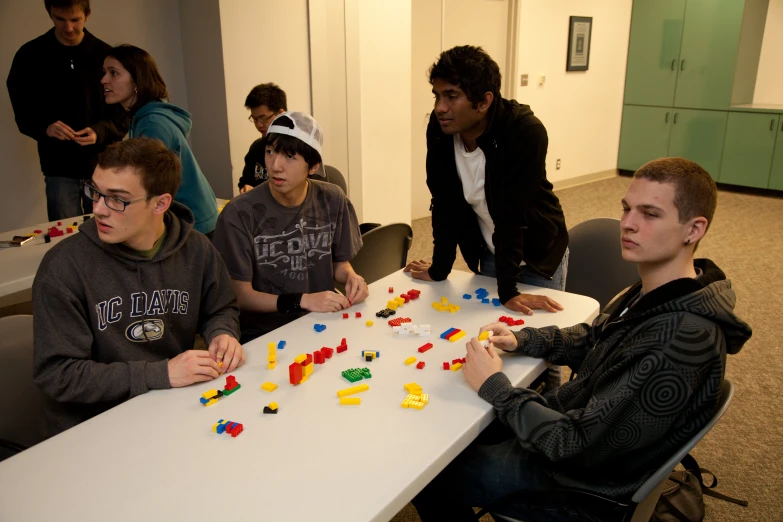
column 745, row 449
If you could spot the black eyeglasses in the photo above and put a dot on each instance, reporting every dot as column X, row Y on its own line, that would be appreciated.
column 113, row 202
column 261, row 119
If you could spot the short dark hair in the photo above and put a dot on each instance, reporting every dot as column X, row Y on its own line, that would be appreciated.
column 469, row 68
column 84, row 4
column 290, row 145
column 267, row 94
column 695, row 192
column 144, row 72
column 159, row 168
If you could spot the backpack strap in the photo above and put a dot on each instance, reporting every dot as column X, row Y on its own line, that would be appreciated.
column 690, row 464
column 679, row 515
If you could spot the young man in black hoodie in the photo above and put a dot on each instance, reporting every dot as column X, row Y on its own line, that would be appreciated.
column 55, row 90
column 264, row 102
column 117, row 306
column 486, row 170
column 649, row 370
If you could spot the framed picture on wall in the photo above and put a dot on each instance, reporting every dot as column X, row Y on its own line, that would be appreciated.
column 580, row 29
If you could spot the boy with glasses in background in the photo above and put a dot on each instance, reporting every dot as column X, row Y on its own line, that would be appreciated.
column 265, row 102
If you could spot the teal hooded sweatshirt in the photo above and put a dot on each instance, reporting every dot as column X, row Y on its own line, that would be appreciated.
column 171, row 125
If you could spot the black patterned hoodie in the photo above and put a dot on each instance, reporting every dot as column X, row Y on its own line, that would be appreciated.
column 647, row 381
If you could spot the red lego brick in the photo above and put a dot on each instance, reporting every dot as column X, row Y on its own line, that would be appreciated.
column 59, row 223
column 37, row 231
column 327, row 352
column 420, row 365
column 391, row 289
column 295, row 373
column 446, row 366
column 345, row 316
column 318, row 357
column 358, row 315
column 455, row 332
column 424, row 348
column 341, row 348
column 405, row 297
column 455, row 361
column 308, row 360
column 413, row 294
column 519, row 322
column 239, row 428
column 231, row 383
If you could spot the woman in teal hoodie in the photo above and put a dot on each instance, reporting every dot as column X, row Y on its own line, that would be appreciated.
column 131, row 78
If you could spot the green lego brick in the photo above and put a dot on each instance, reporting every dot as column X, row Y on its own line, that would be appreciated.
column 229, row 392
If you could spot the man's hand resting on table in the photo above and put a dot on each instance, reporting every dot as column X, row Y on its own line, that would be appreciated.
column 526, row 303
column 419, row 269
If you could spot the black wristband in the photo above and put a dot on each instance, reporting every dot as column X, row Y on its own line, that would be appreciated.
column 289, row 303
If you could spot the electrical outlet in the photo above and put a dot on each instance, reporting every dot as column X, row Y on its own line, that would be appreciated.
column 557, row 165
column 523, row 82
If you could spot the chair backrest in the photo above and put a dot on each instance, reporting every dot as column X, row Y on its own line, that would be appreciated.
column 384, row 251
column 596, row 267
column 336, row 177
column 21, row 405
column 726, row 396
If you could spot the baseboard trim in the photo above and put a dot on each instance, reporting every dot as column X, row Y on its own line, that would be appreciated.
column 586, row 178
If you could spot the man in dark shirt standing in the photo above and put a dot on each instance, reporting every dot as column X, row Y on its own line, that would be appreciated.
column 57, row 97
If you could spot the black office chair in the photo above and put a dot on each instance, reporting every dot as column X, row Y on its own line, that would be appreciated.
column 596, row 267
column 384, row 251
column 640, row 506
column 333, row 175
column 21, row 406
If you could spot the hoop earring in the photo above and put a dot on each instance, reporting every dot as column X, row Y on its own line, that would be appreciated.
column 687, row 241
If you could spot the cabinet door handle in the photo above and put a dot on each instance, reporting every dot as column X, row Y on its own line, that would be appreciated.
column 675, row 117
column 674, row 63
column 666, row 119
column 682, row 64
column 772, row 124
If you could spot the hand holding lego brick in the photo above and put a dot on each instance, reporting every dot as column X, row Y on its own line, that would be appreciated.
column 480, row 363
column 526, row 303
column 500, row 336
column 85, row 136
column 227, row 350
column 419, row 270
column 324, row 302
column 192, row 366
column 356, row 289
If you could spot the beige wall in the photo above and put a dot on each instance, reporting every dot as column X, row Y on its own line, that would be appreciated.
column 150, row 24
column 256, row 50
column 581, row 110
column 769, row 81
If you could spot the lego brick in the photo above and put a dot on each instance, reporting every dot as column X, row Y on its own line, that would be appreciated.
column 420, row 365
column 368, row 358
column 295, row 373
column 272, row 405
column 239, row 428
column 457, row 336
column 341, row 349
column 271, row 366
column 485, row 301
column 483, row 336
column 391, row 289
column 271, row 347
column 269, row 386
column 327, row 352
column 425, row 347
column 356, row 374
column 209, row 394
column 318, row 357
column 446, row 366
column 232, row 390
column 267, row 409
column 410, row 360
column 281, row 345
column 369, row 323
column 447, row 332
column 495, row 301
column 300, row 358
column 454, row 332
column 350, row 401
column 413, row 388
column 308, row 359
column 353, row 390
column 358, row 315
column 319, row 327
column 345, row 316
column 221, row 426
column 467, row 296
column 456, row 367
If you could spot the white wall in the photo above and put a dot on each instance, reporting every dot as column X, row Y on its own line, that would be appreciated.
column 150, row 24
column 263, row 41
column 384, row 75
column 770, row 76
column 580, row 110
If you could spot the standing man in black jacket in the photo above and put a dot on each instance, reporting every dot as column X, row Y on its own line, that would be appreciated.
column 486, row 170
column 57, row 97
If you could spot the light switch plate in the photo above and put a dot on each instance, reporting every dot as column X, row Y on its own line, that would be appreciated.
column 523, row 82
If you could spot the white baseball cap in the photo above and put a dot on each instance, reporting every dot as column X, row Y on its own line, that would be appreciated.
column 305, row 129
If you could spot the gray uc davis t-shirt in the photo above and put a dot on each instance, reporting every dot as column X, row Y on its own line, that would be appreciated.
column 283, row 250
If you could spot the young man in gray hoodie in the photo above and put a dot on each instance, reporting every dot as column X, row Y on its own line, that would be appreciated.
column 649, row 370
column 117, row 306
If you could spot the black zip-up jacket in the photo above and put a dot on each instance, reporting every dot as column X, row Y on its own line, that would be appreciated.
column 50, row 81
column 529, row 223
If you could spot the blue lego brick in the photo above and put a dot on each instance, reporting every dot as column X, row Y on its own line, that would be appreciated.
column 496, row 301
column 203, row 400
column 221, row 427
column 485, row 301
column 281, row 345
column 319, row 327
column 466, row 296
column 446, row 333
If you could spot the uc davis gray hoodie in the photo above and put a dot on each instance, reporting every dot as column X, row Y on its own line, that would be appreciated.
column 106, row 321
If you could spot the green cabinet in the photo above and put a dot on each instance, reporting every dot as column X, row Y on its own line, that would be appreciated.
column 654, row 52
column 776, row 174
column 708, row 55
column 750, row 143
column 644, row 135
column 698, row 136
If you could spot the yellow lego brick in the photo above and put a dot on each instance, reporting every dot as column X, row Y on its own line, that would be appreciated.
column 399, row 300
column 308, row 370
column 272, row 405
column 391, row 305
column 457, row 336
column 415, row 404
column 304, row 379
column 483, row 336
column 352, row 401
column 272, row 357
column 300, row 358
column 425, row 398
column 211, row 402
column 272, row 348
column 353, row 390
column 209, row 394
column 437, row 306
column 220, row 364
column 410, row 360
column 269, row 386
column 271, row 366
column 404, row 404
column 456, row 367
column 413, row 388
column 369, row 323
column 214, row 428
column 444, row 300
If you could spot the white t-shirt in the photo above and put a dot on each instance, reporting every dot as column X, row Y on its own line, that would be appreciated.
column 470, row 167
